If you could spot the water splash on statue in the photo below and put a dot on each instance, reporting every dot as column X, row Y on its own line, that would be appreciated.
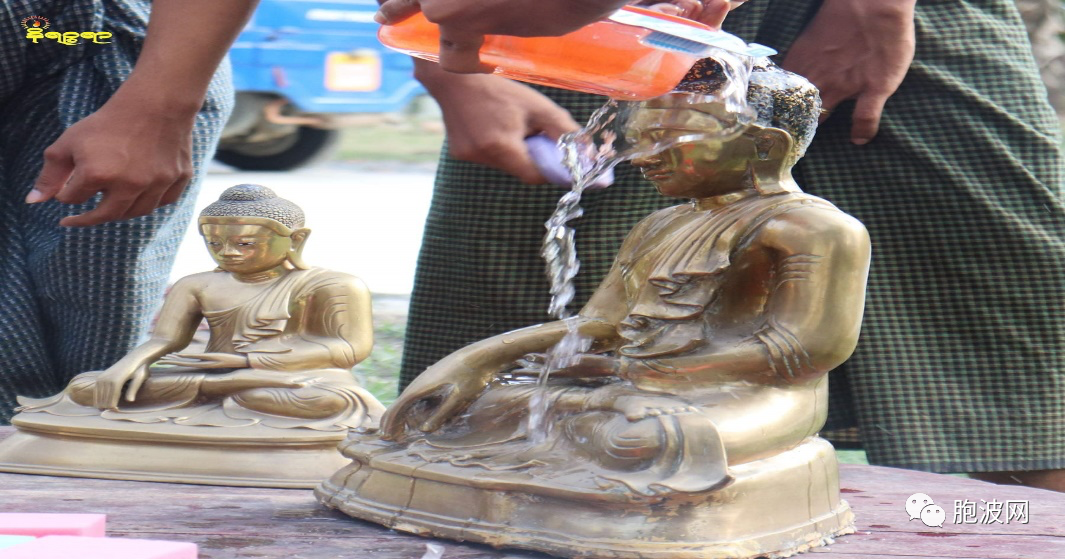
column 591, row 152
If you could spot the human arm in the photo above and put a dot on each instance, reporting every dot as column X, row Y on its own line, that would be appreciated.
column 814, row 262
column 450, row 385
column 856, row 49
column 492, row 130
column 464, row 23
column 137, row 148
column 173, row 331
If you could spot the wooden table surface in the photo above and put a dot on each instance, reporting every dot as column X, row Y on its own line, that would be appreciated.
column 237, row 522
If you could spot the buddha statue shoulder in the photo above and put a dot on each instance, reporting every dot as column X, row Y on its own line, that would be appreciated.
column 283, row 336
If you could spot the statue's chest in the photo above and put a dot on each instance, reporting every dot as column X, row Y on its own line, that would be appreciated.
column 228, row 297
column 682, row 255
column 253, row 303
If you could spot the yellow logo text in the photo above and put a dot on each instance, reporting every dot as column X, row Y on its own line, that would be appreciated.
column 35, row 31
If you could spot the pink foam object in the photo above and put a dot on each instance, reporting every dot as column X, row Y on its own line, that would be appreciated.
column 548, row 156
column 43, row 524
column 9, row 541
column 74, row 547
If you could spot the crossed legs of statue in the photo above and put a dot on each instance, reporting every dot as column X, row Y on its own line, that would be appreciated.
column 267, row 392
column 646, row 441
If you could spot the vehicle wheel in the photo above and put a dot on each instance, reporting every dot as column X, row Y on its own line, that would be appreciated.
column 305, row 146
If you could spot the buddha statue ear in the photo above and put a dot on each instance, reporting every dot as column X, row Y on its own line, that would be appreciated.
column 295, row 254
column 773, row 160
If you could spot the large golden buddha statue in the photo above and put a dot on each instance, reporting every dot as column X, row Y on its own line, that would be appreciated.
column 688, row 429
column 277, row 366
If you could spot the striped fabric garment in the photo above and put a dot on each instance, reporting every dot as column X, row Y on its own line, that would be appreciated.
column 76, row 299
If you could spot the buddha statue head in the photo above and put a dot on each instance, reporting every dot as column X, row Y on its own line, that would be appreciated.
column 705, row 159
column 250, row 230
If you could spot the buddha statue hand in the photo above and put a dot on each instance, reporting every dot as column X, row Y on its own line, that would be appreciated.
column 447, row 388
column 250, row 379
column 434, row 397
column 585, row 365
column 206, row 360
column 108, row 386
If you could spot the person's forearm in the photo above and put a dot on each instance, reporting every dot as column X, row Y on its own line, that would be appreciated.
column 186, row 41
column 436, row 80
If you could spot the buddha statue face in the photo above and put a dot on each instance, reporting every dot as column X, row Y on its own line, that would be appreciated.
column 703, row 159
column 246, row 248
column 250, row 230
column 698, row 169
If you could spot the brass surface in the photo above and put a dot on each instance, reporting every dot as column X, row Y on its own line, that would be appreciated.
column 689, row 428
column 778, row 506
column 264, row 404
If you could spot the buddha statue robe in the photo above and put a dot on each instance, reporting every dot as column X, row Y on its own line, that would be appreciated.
column 294, row 334
column 697, row 283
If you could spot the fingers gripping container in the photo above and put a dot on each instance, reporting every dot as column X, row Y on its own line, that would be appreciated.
column 634, row 54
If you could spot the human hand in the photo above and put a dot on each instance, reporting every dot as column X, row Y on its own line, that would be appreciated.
column 109, row 384
column 492, row 131
column 135, row 153
column 856, row 49
column 206, row 360
column 464, row 23
column 708, row 12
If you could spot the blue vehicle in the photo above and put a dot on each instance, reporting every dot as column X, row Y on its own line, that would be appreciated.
column 300, row 67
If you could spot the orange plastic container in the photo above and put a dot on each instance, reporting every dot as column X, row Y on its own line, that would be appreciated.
column 606, row 57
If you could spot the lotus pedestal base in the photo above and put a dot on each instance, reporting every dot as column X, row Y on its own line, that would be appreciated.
column 253, row 456
column 776, row 507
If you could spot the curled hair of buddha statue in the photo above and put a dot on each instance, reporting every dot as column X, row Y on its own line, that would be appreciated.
column 253, row 204
column 778, row 98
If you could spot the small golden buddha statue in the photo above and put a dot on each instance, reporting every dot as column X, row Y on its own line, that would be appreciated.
column 688, row 429
column 277, row 366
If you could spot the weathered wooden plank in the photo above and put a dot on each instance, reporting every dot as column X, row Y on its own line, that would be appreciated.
column 949, row 545
column 878, row 496
column 227, row 523
column 897, row 553
column 238, row 523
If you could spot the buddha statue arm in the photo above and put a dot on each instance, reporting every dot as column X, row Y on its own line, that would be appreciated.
column 450, row 385
column 335, row 328
column 174, row 330
column 608, row 302
column 811, row 320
